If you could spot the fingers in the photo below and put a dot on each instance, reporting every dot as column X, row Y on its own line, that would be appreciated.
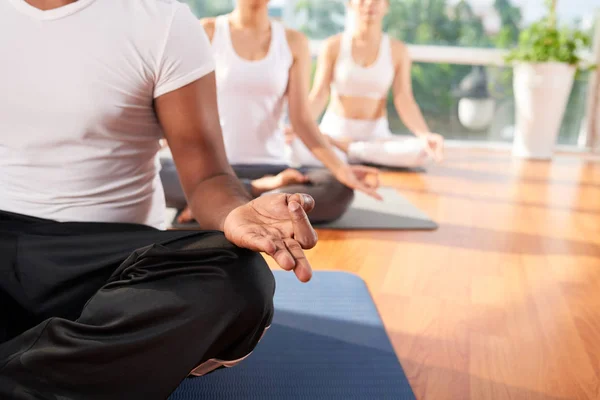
column 375, row 182
column 302, row 269
column 362, row 184
column 368, row 172
column 359, row 185
column 290, row 257
column 369, row 191
column 261, row 243
column 356, row 184
column 283, row 257
column 434, row 147
column 304, row 233
column 430, row 152
column 306, row 201
column 289, row 253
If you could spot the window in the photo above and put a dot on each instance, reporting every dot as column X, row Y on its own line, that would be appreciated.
column 436, row 89
column 278, row 9
column 319, row 19
column 471, row 23
column 485, row 24
column 211, row 8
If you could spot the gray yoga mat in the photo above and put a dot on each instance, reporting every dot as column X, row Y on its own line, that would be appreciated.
column 393, row 213
column 326, row 342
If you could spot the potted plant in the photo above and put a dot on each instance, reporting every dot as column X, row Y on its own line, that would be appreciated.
column 545, row 62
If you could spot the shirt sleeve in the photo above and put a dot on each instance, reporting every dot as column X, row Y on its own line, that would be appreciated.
column 187, row 55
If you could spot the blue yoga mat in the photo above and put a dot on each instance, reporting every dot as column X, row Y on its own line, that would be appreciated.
column 327, row 341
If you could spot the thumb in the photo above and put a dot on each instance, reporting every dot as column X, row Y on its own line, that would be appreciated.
column 429, row 150
column 305, row 200
column 304, row 233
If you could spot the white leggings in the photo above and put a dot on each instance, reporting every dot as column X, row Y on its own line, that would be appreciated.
column 373, row 143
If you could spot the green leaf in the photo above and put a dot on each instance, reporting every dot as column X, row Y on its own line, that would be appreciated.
column 543, row 41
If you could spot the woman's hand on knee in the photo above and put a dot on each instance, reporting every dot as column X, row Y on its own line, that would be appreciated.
column 278, row 225
column 434, row 145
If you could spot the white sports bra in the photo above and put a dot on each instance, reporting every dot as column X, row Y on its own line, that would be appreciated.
column 251, row 96
column 374, row 81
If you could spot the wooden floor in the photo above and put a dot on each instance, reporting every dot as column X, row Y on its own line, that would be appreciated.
column 503, row 301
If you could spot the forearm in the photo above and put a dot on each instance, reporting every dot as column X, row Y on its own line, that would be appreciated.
column 411, row 116
column 317, row 103
column 214, row 198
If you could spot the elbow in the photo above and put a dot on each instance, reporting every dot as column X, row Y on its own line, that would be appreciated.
column 401, row 99
column 409, row 100
column 301, row 118
column 308, row 132
column 302, row 125
column 405, row 104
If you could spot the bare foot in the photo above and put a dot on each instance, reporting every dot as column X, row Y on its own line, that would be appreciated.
column 185, row 216
column 288, row 177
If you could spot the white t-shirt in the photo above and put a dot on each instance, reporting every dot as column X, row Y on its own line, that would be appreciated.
column 78, row 132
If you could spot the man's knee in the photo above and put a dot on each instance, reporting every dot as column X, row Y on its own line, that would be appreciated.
column 247, row 308
column 247, row 312
column 254, row 285
column 207, row 270
column 244, row 284
column 227, row 295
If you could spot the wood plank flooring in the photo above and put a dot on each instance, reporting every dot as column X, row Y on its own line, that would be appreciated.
column 503, row 301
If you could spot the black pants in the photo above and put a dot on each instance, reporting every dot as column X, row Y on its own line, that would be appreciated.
column 332, row 198
column 121, row 311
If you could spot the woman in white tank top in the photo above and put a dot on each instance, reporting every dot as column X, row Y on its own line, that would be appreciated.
column 261, row 66
column 357, row 69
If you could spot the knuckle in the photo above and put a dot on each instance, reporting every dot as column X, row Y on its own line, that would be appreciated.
column 298, row 215
column 293, row 245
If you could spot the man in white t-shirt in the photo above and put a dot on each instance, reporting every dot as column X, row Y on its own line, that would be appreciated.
column 97, row 300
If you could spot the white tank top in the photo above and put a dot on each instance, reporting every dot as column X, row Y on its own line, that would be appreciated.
column 374, row 81
column 251, row 97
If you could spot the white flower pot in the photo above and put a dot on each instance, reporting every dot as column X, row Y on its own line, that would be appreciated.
column 476, row 114
column 541, row 95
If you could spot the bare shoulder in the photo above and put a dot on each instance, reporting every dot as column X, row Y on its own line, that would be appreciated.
column 209, row 26
column 332, row 45
column 399, row 50
column 297, row 40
